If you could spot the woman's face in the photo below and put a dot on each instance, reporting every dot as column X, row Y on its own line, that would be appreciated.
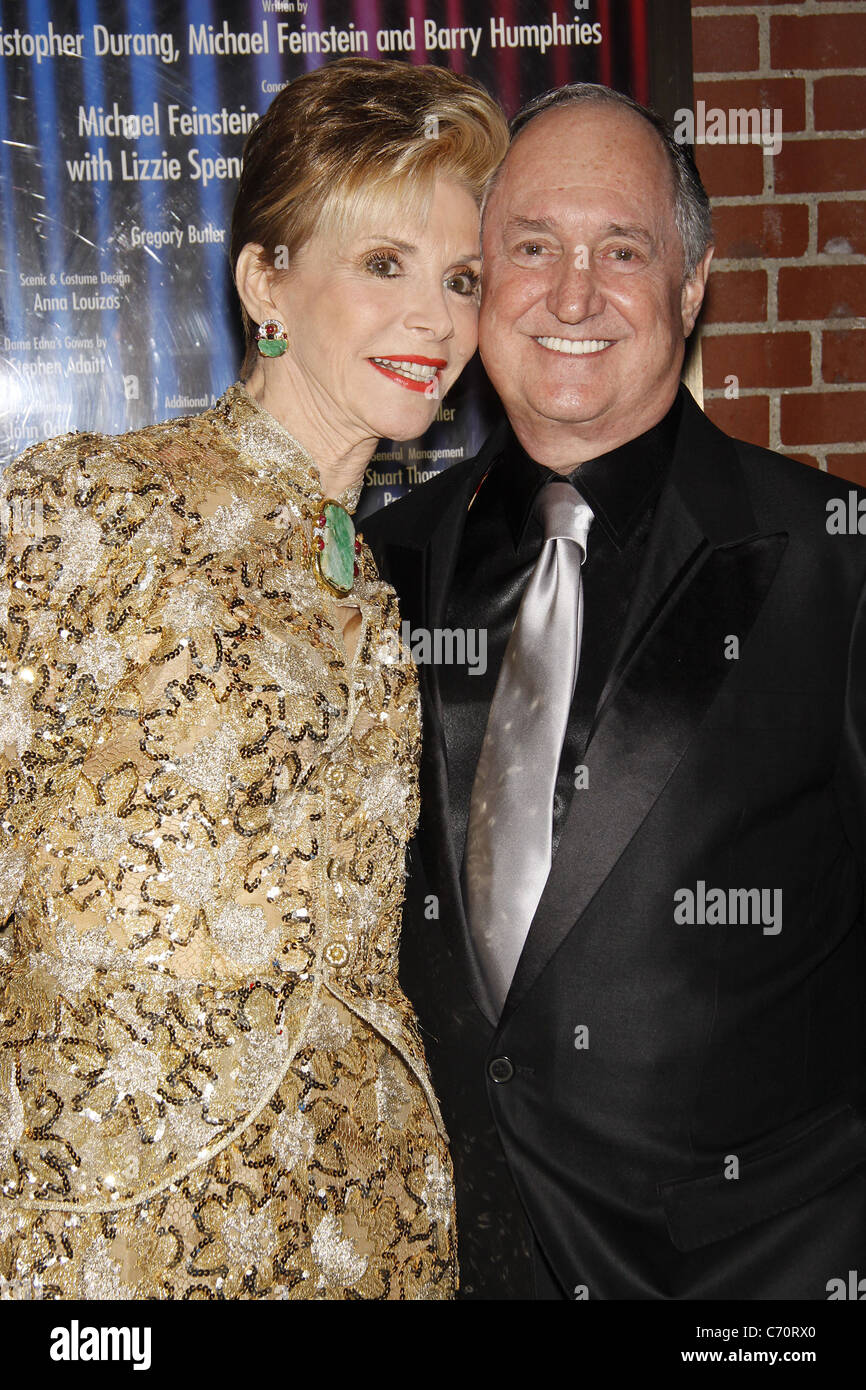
column 381, row 324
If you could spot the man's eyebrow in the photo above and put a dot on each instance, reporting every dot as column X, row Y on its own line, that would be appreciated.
column 530, row 224
column 544, row 224
column 635, row 232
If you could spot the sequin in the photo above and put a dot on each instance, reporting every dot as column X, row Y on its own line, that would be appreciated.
column 193, row 875
column 329, row 1028
column 189, row 606
column 243, row 934
column 393, row 1096
column 101, row 657
column 217, row 1086
column 101, row 834
column 293, row 1139
column 228, row 528
column 15, row 724
column 247, row 1237
column 438, row 1192
column 76, row 958
column 210, row 765
column 13, row 865
column 132, row 1069
column 337, row 1260
column 11, row 1114
column 79, row 550
column 100, row 1274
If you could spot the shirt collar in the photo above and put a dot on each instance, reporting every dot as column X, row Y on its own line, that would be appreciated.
column 619, row 485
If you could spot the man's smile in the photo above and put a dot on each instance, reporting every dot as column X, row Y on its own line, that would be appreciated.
column 575, row 347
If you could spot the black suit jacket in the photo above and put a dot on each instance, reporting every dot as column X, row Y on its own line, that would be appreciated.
column 705, row 1137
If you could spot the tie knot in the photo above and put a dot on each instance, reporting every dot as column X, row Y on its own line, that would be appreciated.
column 564, row 514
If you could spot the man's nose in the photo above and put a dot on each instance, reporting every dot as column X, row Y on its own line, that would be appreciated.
column 574, row 294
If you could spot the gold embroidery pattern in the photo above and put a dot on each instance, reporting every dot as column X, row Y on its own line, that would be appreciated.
column 211, row 1085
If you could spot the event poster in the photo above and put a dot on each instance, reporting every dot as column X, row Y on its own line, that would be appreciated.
column 124, row 127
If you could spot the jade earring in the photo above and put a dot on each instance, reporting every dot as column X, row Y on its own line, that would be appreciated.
column 271, row 338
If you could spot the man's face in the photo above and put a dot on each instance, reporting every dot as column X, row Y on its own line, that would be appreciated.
column 584, row 310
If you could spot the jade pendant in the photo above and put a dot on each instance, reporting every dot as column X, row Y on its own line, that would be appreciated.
column 334, row 548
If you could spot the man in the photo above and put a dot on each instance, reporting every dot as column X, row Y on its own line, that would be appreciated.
column 634, row 930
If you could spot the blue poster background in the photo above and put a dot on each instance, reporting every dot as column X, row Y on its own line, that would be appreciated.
column 123, row 128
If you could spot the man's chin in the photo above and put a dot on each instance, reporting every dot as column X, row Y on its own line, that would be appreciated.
column 567, row 407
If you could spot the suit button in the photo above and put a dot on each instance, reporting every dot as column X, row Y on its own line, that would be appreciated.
column 501, row 1069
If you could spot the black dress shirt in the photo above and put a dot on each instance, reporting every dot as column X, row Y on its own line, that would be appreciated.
column 501, row 545
column 499, row 1257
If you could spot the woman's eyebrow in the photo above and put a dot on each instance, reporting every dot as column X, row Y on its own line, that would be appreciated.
column 398, row 245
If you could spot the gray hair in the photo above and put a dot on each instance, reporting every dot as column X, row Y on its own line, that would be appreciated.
column 692, row 213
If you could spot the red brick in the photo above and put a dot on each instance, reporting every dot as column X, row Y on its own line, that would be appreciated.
column 812, row 461
column 818, row 41
column 757, row 359
column 852, row 467
column 787, row 94
column 731, row 171
column 821, row 166
column 827, row 417
column 725, row 43
column 843, row 355
column 736, row 296
column 765, row 229
column 822, row 291
column 839, row 102
column 843, row 222
column 747, row 418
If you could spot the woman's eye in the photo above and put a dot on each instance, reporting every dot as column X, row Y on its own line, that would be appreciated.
column 465, row 282
column 383, row 264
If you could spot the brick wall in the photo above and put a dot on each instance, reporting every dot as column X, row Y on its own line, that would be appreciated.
column 786, row 310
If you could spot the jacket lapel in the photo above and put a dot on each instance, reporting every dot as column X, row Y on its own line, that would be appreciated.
column 705, row 576
column 420, row 567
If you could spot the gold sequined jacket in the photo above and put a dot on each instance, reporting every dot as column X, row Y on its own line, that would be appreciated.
column 210, row 1081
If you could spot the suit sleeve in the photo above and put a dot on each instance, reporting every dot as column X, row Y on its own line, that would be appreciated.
column 852, row 754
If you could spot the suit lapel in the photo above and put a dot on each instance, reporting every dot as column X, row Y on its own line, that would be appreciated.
column 421, row 568
column 705, row 576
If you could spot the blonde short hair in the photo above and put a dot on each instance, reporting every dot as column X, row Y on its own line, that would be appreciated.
column 342, row 141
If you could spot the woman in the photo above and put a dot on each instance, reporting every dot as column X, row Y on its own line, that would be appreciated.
column 211, row 1085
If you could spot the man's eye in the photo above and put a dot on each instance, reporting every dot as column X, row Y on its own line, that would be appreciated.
column 623, row 253
column 465, row 282
column 531, row 248
column 383, row 263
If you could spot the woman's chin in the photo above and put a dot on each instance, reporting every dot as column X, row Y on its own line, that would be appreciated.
column 403, row 425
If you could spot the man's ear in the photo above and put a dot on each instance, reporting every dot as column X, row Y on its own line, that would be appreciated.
column 254, row 280
column 693, row 291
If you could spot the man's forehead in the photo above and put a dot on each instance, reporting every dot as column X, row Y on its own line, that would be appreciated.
column 518, row 223
column 545, row 206
column 562, row 177
column 572, row 148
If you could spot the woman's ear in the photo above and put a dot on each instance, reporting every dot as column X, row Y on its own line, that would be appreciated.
column 254, row 281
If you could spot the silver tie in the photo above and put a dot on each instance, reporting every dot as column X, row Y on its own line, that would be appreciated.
column 510, row 833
